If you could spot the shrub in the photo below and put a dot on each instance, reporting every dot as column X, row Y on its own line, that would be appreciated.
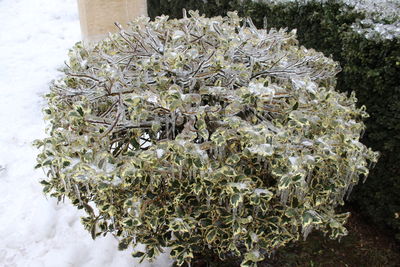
column 206, row 136
column 365, row 40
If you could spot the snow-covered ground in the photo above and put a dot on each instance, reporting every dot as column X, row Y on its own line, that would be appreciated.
column 34, row 231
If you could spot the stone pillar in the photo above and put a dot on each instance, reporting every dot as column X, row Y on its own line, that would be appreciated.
column 97, row 17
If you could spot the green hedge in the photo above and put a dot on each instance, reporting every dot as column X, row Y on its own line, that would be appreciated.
column 370, row 68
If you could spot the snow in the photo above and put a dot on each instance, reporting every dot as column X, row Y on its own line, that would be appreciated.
column 35, row 231
column 382, row 17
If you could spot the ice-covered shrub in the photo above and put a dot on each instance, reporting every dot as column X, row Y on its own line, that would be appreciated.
column 363, row 35
column 206, row 136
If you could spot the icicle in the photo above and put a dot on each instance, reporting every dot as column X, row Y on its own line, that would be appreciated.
column 351, row 175
column 192, row 84
column 256, row 210
column 300, row 193
column 307, row 230
column 263, row 212
column 167, row 121
column 88, row 189
column 173, row 174
column 208, row 202
column 308, row 178
column 371, row 165
column 69, row 186
column 349, row 190
column 240, row 206
column 234, row 212
column 138, row 120
column 365, row 178
column 220, row 153
column 190, row 173
column 362, row 133
column 151, row 187
column 64, row 183
column 265, row 23
column 146, row 77
column 212, row 152
column 284, row 196
column 198, row 198
column 180, row 172
column 220, row 201
column 235, row 238
column 193, row 173
column 266, row 165
column 173, row 119
column 78, row 194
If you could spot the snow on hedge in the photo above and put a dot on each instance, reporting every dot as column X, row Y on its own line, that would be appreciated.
column 382, row 17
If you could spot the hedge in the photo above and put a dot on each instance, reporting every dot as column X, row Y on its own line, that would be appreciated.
column 370, row 67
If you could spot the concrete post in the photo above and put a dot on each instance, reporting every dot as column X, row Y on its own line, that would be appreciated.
column 97, row 17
